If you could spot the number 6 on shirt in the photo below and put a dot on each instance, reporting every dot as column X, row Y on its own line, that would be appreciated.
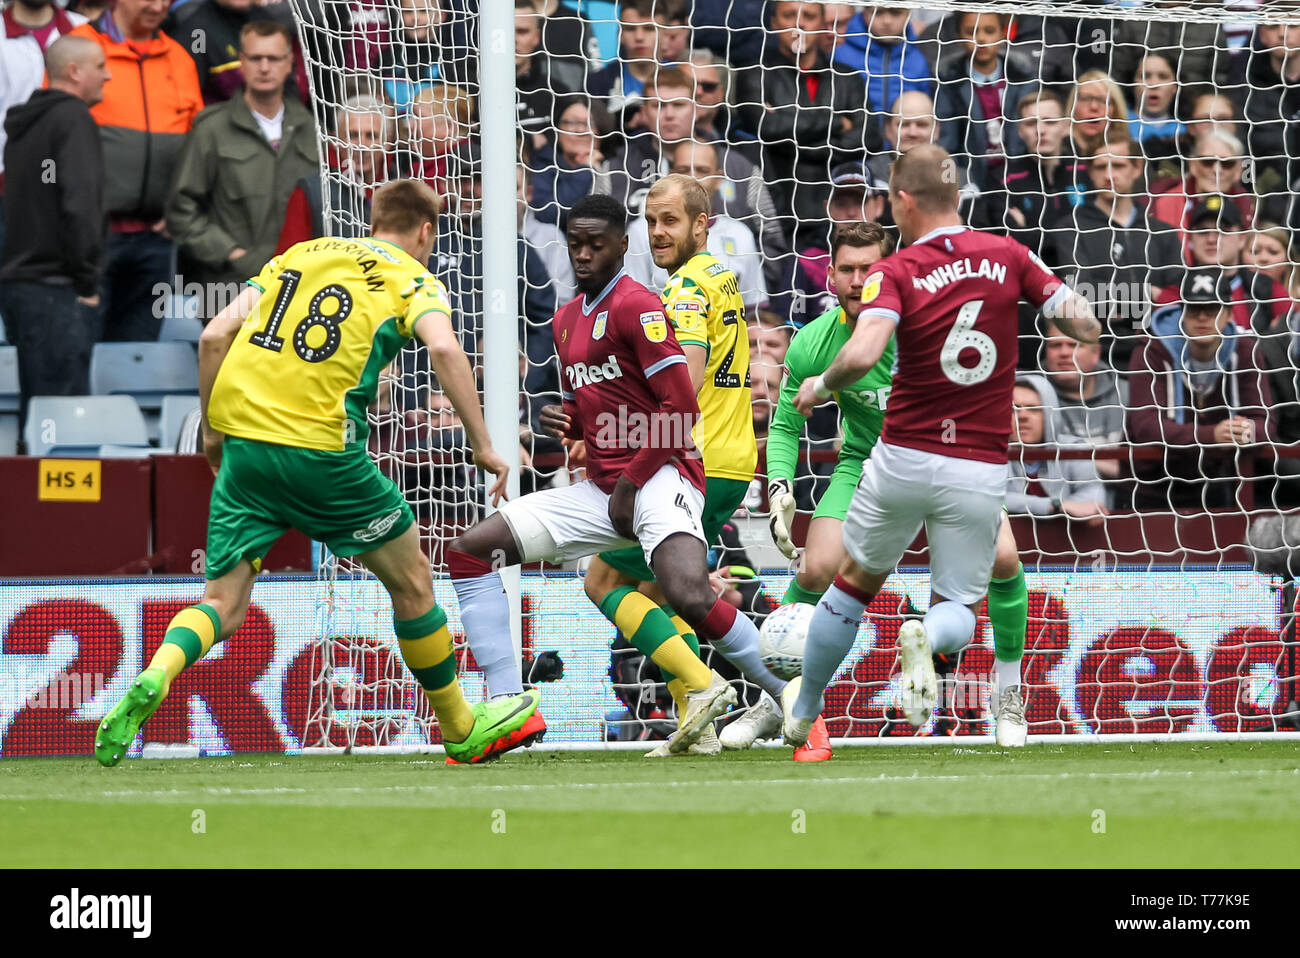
column 963, row 335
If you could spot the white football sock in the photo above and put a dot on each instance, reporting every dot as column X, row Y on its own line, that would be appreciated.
column 485, row 613
column 740, row 647
column 1008, row 674
column 949, row 626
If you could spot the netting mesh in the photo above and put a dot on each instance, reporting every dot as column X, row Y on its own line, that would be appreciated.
column 1133, row 147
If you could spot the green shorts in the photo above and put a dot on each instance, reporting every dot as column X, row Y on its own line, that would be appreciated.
column 834, row 503
column 722, row 497
column 262, row 490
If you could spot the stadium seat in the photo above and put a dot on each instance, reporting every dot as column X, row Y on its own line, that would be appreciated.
column 8, row 400
column 145, row 371
column 115, row 450
column 181, row 329
column 174, row 411
column 9, row 379
column 77, row 426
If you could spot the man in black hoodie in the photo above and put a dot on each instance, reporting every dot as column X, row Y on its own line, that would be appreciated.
column 51, row 267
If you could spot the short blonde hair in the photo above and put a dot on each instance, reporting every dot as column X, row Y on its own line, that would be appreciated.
column 695, row 198
column 403, row 206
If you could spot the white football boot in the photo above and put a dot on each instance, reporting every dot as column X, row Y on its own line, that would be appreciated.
column 920, row 687
column 761, row 721
column 708, row 744
column 702, row 708
column 1012, row 727
column 794, row 730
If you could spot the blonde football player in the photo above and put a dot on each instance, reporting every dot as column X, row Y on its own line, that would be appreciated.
column 286, row 373
column 703, row 304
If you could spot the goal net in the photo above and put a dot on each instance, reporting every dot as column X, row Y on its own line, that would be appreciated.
column 1147, row 152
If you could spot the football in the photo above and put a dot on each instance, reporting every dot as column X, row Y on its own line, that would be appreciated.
column 782, row 638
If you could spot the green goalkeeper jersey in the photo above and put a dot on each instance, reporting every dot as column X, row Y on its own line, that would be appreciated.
column 862, row 405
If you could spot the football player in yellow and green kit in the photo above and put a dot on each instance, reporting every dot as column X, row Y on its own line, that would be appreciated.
column 702, row 300
column 286, row 373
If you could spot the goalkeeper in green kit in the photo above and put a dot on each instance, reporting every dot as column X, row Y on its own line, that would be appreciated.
column 855, row 248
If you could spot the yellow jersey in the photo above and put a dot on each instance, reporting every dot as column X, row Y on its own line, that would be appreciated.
column 305, row 364
column 702, row 300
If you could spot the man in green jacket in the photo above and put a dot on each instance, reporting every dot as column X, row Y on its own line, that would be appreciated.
column 237, row 169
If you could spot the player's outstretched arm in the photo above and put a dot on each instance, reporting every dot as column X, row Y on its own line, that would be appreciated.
column 1072, row 314
column 217, row 338
column 452, row 368
column 863, row 350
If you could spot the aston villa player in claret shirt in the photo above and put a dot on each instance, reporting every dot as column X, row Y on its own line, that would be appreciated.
column 627, row 394
column 951, row 300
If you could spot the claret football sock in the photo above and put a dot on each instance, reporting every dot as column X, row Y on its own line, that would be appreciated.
column 427, row 651
column 485, row 613
column 736, row 639
column 190, row 634
column 797, row 593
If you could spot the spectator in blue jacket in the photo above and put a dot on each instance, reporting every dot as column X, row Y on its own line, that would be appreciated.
column 881, row 43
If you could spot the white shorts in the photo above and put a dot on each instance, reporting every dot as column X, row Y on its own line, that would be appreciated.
column 959, row 504
column 560, row 525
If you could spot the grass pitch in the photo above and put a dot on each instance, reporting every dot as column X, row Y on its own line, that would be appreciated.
column 1192, row 804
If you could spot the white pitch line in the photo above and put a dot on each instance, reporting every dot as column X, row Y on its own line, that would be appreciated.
column 558, row 786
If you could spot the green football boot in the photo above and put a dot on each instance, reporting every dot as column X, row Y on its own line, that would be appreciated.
column 496, row 724
column 118, row 730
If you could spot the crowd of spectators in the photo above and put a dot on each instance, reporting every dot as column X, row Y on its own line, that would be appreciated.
column 1141, row 158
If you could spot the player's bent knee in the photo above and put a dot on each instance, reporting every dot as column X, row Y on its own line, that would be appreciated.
column 600, row 580
column 817, row 577
column 691, row 603
column 528, row 535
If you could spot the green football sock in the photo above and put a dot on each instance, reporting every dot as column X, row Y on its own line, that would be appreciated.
column 1008, row 611
column 797, row 593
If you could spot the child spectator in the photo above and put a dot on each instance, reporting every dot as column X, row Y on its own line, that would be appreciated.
column 1218, row 239
column 881, row 43
column 979, row 91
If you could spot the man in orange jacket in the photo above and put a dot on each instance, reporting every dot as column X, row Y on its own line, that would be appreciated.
column 149, row 105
